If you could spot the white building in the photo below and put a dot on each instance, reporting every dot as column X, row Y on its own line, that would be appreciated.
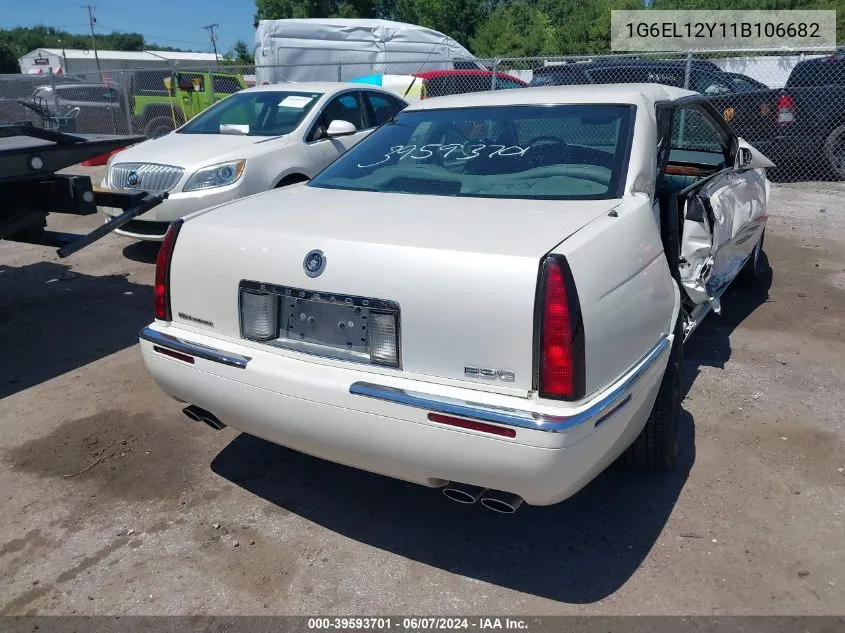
column 41, row 60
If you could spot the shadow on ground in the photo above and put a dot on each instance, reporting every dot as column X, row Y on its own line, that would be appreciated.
column 53, row 321
column 143, row 252
column 710, row 344
column 578, row 551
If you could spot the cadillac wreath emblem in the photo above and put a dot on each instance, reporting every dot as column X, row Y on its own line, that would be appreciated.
column 314, row 264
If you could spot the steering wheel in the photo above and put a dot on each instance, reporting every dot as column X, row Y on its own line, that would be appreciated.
column 553, row 142
column 553, row 139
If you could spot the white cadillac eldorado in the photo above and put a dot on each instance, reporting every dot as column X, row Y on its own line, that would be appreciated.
column 490, row 294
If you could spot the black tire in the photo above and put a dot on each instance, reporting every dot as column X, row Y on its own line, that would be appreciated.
column 291, row 180
column 158, row 126
column 750, row 272
column 834, row 152
column 656, row 447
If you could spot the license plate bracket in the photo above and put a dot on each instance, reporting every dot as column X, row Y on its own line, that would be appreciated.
column 325, row 324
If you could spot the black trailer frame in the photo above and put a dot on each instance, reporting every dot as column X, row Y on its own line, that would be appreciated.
column 30, row 188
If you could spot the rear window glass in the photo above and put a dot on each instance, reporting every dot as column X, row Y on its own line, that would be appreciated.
column 559, row 77
column 88, row 93
column 530, row 152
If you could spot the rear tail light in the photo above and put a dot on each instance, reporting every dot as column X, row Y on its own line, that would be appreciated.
column 560, row 362
column 786, row 110
column 382, row 339
column 162, row 283
column 259, row 315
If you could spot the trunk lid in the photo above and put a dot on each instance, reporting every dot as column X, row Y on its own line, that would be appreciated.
column 463, row 271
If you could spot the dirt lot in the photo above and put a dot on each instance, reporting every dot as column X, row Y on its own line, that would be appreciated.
column 174, row 518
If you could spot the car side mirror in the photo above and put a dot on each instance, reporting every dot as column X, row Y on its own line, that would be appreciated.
column 747, row 157
column 339, row 127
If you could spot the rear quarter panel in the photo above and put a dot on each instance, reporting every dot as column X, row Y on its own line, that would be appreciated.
column 628, row 297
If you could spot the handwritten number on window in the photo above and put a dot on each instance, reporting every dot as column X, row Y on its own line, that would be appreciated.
column 426, row 151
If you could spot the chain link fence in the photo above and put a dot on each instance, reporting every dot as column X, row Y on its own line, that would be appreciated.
column 790, row 104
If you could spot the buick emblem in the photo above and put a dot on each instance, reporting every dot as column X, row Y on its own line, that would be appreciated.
column 314, row 264
column 133, row 179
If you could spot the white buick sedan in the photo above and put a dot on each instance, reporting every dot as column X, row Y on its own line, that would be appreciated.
column 489, row 295
column 250, row 142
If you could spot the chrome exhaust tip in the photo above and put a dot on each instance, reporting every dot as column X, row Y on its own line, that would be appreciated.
column 463, row 493
column 502, row 502
column 201, row 415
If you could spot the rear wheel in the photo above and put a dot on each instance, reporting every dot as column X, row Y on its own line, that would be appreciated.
column 834, row 152
column 158, row 126
column 656, row 447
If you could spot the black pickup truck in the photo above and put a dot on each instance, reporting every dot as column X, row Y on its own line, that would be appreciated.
column 801, row 125
column 798, row 127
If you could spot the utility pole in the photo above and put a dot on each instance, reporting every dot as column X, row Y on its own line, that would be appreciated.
column 210, row 28
column 64, row 57
column 91, row 21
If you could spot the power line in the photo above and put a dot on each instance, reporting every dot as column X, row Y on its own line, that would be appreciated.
column 210, row 28
column 91, row 20
column 151, row 37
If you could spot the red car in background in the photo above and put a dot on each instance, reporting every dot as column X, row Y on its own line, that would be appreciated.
column 438, row 83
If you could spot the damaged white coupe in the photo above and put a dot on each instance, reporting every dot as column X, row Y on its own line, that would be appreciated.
column 489, row 295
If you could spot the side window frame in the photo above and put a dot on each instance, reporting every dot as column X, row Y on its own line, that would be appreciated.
column 394, row 102
column 319, row 120
column 215, row 77
column 728, row 139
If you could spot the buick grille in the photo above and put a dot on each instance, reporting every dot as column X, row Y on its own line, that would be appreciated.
column 144, row 176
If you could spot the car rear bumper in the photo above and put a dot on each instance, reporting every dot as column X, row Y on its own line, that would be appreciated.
column 380, row 423
column 791, row 149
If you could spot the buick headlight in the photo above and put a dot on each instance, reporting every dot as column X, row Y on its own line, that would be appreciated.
column 216, row 176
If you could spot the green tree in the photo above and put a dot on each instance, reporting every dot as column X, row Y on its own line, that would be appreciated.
column 239, row 54
column 286, row 9
column 459, row 19
column 8, row 61
column 516, row 29
column 22, row 40
column 583, row 27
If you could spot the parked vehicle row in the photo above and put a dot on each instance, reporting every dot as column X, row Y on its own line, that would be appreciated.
column 152, row 102
column 801, row 125
column 488, row 294
column 260, row 138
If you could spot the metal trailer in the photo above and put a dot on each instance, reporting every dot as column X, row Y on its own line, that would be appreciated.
column 30, row 188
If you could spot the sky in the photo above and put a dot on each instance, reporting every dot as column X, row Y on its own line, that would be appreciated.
column 177, row 23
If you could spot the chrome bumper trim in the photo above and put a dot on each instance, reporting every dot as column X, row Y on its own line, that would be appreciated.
column 194, row 349
column 599, row 411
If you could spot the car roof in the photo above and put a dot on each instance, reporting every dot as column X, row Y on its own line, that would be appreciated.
column 313, row 86
column 636, row 94
column 698, row 64
column 432, row 74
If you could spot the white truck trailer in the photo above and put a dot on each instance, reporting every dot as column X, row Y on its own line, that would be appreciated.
column 336, row 49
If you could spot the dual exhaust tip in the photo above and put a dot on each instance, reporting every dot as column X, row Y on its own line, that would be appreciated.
column 495, row 500
column 201, row 415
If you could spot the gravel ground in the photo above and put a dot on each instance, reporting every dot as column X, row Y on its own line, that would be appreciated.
column 114, row 503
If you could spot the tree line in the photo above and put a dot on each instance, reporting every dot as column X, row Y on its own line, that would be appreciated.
column 488, row 28
column 17, row 42
column 517, row 28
